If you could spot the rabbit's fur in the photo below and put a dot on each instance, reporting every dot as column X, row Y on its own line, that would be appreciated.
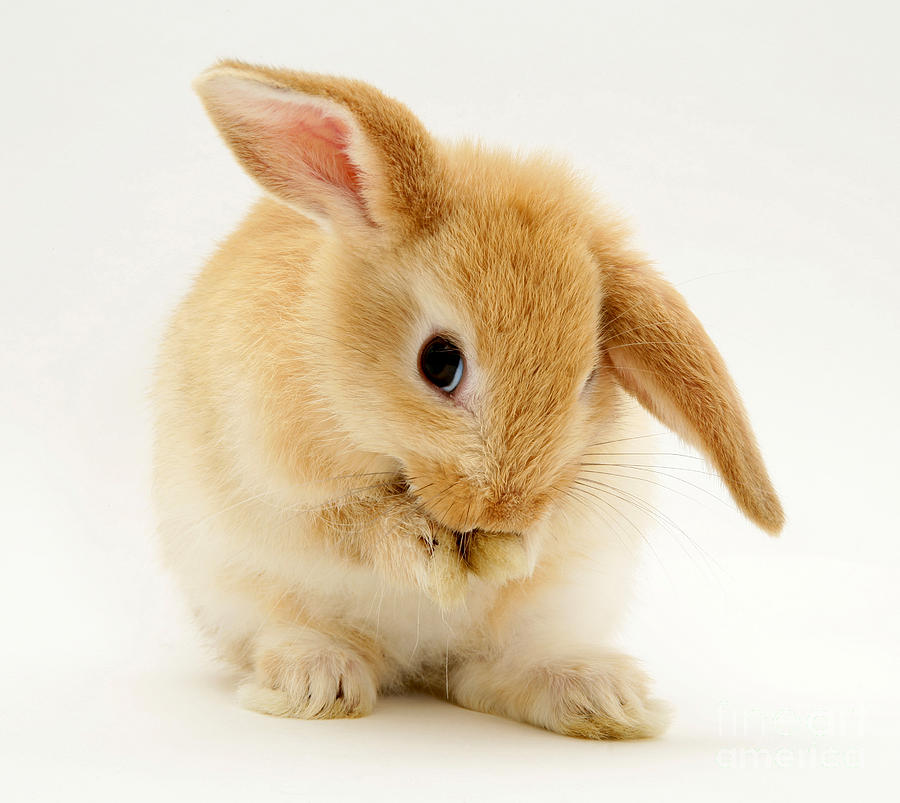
column 343, row 528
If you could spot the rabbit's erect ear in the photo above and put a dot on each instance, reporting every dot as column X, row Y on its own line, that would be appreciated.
column 335, row 149
column 661, row 354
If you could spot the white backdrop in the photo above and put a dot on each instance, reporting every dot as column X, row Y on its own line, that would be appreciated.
column 753, row 145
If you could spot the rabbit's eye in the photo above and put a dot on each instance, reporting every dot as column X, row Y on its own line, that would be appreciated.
column 441, row 363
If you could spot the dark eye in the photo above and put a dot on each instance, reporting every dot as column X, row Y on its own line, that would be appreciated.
column 441, row 364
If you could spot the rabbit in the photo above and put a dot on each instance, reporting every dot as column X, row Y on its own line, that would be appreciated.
column 375, row 406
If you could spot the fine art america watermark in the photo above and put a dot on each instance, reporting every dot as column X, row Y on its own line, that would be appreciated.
column 783, row 738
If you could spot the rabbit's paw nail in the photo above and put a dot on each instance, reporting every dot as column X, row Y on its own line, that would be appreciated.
column 327, row 683
column 607, row 699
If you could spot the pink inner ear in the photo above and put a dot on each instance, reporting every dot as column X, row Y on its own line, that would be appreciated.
column 302, row 150
column 322, row 142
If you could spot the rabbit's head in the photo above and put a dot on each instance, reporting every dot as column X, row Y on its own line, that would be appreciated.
column 476, row 315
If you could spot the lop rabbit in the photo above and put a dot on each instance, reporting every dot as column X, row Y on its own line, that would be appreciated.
column 376, row 406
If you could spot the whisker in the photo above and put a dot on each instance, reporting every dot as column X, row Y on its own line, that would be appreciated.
column 445, row 494
column 646, row 506
column 332, row 504
column 661, row 485
column 633, row 438
column 661, row 469
column 637, row 529
column 571, row 494
column 224, row 510
column 649, row 509
column 665, row 473
column 634, row 501
column 648, row 454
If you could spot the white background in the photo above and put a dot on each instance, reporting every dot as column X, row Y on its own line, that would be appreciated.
column 753, row 145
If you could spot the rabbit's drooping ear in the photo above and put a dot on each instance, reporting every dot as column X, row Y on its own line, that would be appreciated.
column 661, row 354
column 334, row 149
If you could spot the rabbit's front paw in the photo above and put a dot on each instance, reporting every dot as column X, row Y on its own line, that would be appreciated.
column 444, row 575
column 305, row 674
column 496, row 558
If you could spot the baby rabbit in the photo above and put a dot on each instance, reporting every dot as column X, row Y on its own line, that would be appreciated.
column 376, row 405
